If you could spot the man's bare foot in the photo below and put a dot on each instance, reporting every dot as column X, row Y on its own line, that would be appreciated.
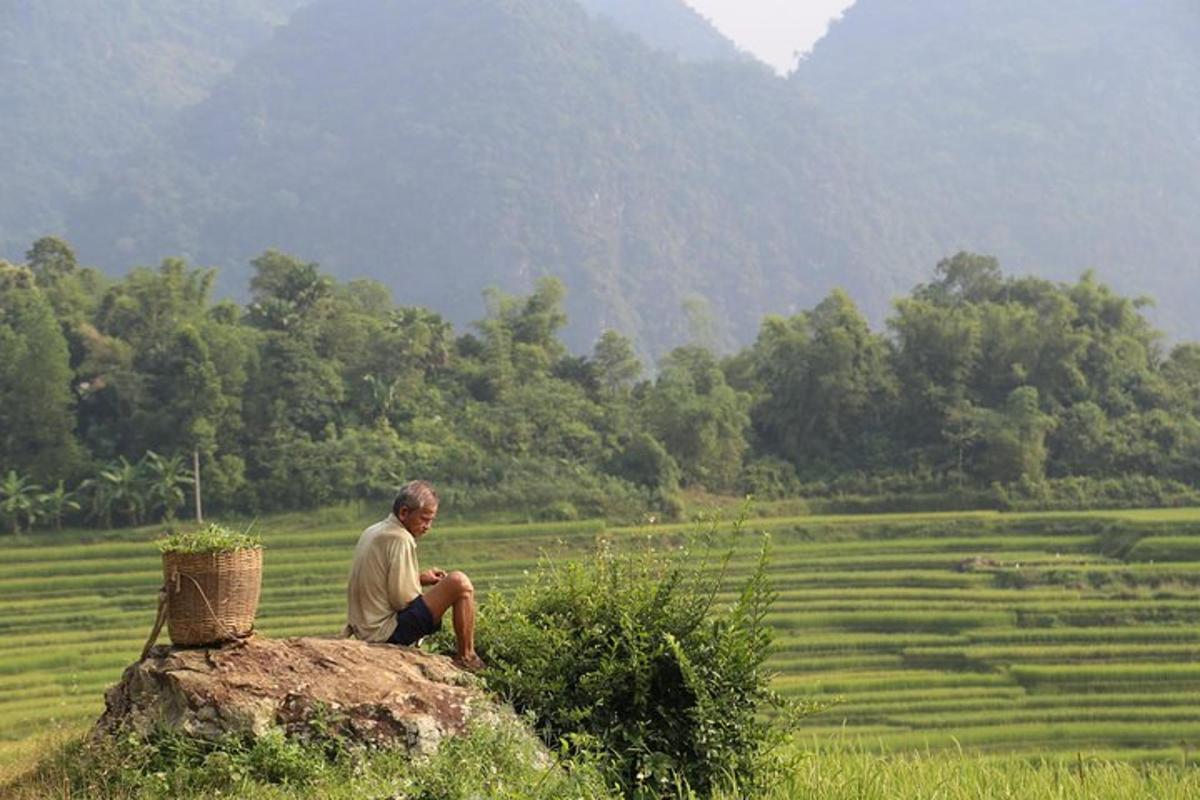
column 471, row 663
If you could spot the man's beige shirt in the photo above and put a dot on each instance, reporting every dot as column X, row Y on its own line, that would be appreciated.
column 383, row 580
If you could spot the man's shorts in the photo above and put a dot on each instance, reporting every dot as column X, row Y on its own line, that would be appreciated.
column 414, row 621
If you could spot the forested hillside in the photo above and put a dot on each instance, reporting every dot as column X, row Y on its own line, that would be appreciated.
column 1059, row 136
column 986, row 390
column 441, row 147
column 82, row 81
column 668, row 25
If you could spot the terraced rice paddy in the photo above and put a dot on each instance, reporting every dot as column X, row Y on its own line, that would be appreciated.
column 1032, row 634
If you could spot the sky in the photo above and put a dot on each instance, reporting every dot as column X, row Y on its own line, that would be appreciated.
column 773, row 30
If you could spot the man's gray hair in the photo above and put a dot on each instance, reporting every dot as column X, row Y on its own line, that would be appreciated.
column 414, row 495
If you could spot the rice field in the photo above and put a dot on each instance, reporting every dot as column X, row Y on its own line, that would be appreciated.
column 1052, row 634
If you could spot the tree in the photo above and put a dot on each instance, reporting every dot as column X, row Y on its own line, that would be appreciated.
column 424, row 338
column 119, row 489
column 962, row 431
column 287, row 293
column 647, row 463
column 520, row 335
column 698, row 417
column 824, row 387
column 18, row 501
column 293, row 388
column 935, row 353
column 56, row 504
column 184, row 393
column 165, row 481
column 51, row 259
column 1082, row 441
column 616, row 364
column 37, row 418
column 963, row 278
column 150, row 304
column 1182, row 373
column 1014, row 439
column 1122, row 350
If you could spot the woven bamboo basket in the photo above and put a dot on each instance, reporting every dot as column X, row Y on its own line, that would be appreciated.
column 211, row 597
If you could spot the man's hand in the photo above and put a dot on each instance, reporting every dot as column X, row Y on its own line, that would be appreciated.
column 431, row 576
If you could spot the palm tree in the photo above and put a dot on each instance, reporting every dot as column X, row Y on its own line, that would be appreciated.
column 165, row 480
column 118, row 489
column 18, row 500
column 57, row 504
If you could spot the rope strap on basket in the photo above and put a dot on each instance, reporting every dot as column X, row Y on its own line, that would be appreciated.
column 158, row 622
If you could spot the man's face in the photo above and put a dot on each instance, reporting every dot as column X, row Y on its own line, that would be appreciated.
column 418, row 521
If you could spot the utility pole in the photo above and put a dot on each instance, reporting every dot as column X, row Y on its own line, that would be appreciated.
column 196, row 484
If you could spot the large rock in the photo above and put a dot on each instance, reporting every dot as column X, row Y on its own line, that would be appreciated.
column 371, row 694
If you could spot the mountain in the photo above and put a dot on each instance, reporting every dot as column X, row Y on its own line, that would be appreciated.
column 442, row 146
column 1058, row 136
column 84, row 80
column 668, row 25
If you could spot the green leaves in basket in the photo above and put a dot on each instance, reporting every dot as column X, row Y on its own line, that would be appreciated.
column 212, row 538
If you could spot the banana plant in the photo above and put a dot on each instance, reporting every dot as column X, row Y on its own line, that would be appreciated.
column 165, row 480
column 56, row 504
column 18, row 500
column 118, row 489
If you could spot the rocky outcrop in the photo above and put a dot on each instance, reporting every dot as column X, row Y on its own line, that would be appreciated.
column 377, row 695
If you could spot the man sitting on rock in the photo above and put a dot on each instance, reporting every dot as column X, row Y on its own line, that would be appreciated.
column 384, row 596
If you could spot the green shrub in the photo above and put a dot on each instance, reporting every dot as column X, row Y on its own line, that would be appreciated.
column 631, row 655
column 213, row 538
column 168, row 764
column 769, row 478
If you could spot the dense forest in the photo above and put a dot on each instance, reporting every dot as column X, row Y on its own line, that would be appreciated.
column 983, row 389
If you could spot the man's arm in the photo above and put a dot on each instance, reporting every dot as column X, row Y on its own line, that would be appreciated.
column 430, row 577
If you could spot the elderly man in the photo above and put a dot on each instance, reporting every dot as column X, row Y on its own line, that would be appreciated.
column 385, row 602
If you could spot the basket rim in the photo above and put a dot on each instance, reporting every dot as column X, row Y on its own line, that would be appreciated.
column 222, row 551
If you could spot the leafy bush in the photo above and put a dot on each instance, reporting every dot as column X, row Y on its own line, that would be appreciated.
column 769, row 478
column 633, row 656
column 213, row 538
column 644, row 461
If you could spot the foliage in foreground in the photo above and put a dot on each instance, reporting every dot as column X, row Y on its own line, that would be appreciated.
column 633, row 655
column 502, row 762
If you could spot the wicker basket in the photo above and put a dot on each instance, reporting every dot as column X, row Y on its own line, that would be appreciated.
column 211, row 597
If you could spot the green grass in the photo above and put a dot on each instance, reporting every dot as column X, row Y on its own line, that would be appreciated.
column 502, row 766
column 1026, row 633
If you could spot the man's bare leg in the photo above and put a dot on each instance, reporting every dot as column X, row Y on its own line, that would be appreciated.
column 464, row 626
column 456, row 591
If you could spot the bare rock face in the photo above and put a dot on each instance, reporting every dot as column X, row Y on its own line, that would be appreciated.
column 372, row 694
